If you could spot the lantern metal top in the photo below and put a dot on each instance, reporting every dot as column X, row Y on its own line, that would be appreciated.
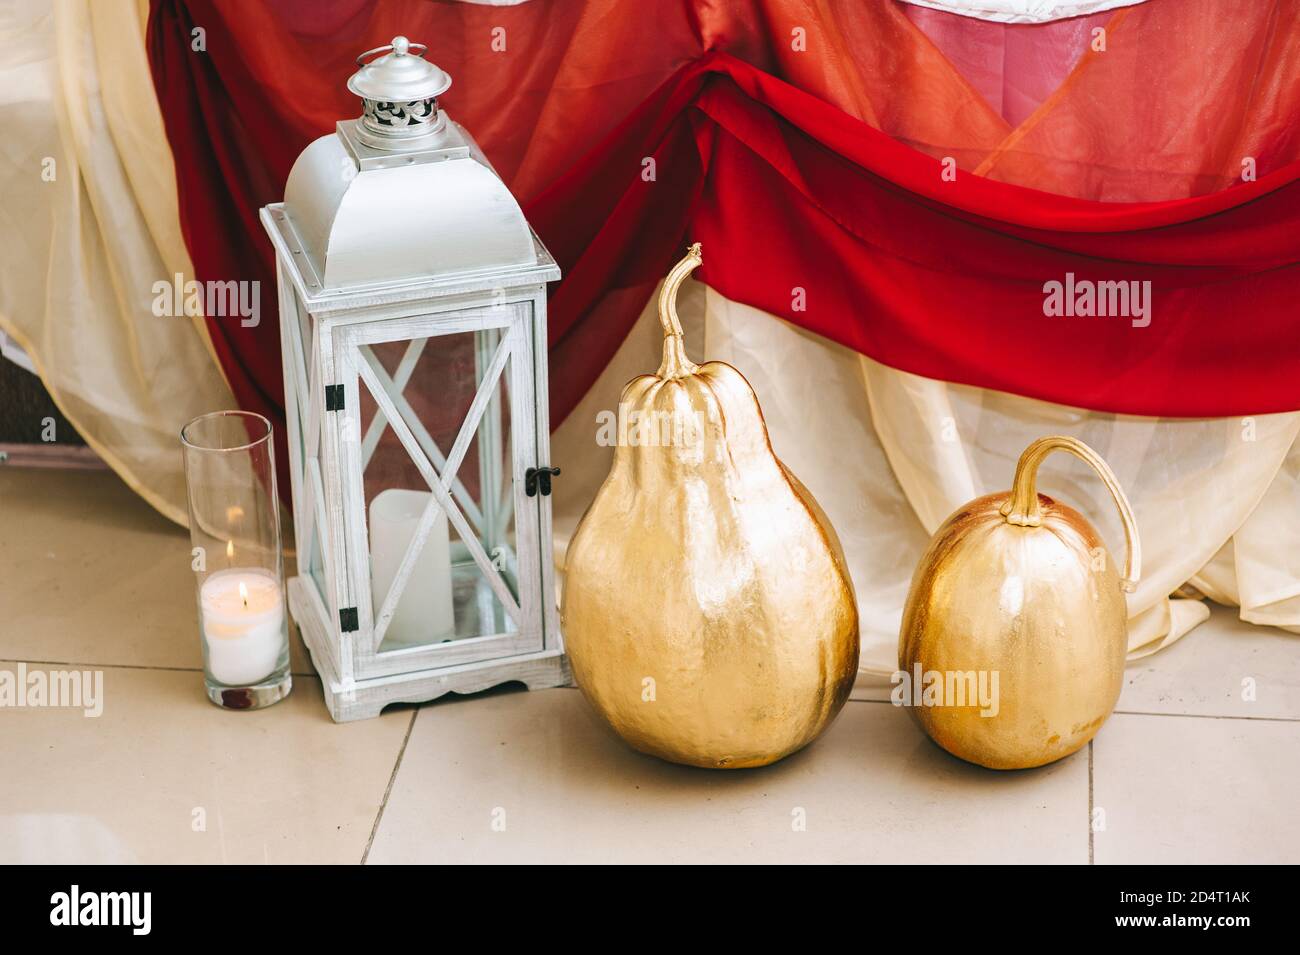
column 401, row 76
column 399, row 94
column 402, row 195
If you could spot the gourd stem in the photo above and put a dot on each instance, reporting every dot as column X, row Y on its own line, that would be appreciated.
column 1022, row 508
column 675, row 363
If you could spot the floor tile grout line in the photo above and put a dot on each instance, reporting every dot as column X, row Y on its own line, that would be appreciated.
column 127, row 666
column 1091, row 805
column 379, row 816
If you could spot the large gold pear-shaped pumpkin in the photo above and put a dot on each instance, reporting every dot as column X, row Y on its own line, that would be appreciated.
column 707, row 609
column 1018, row 596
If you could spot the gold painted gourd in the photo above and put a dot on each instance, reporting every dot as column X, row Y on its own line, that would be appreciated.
column 1021, row 586
column 707, row 609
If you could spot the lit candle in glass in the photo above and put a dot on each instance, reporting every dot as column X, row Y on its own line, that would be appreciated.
column 242, row 614
column 230, row 475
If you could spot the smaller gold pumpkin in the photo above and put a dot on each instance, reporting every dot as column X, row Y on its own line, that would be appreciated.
column 1014, row 633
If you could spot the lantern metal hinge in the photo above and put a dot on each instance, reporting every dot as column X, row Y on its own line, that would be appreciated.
column 333, row 397
column 348, row 619
column 539, row 479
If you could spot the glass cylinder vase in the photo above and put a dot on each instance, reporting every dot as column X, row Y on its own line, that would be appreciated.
column 236, row 557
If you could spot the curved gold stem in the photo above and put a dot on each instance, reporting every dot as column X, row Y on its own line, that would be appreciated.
column 1022, row 506
column 675, row 363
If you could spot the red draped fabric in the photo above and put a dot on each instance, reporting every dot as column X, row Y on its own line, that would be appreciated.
column 838, row 228
column 812, row 150
column 1013, row 69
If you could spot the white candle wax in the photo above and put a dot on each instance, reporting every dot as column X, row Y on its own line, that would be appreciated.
column 424, row 611
column 242, row 613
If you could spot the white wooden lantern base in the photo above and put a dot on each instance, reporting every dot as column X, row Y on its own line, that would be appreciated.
column 362, row 699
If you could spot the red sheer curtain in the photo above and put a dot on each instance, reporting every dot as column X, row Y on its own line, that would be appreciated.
column 1013, row 67
column 805, row 145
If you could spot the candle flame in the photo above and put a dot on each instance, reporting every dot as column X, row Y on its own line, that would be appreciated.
column 243, row 592
column 230, row 549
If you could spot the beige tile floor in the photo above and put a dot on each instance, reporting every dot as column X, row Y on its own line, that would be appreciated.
column 90, row 577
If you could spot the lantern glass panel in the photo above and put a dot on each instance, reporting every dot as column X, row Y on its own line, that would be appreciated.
column 446, row 568
column 314, row 562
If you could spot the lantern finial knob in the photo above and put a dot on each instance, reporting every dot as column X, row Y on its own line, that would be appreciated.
column 401, row 45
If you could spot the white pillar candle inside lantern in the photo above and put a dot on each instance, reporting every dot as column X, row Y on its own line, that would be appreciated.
column 413, row 333
column 424, row 610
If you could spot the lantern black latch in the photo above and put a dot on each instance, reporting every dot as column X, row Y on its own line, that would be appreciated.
column 333, row 397
column 539, row 479
column 348, row 619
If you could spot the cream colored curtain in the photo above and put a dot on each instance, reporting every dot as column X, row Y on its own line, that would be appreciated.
column 890, row 455
column 88, row 210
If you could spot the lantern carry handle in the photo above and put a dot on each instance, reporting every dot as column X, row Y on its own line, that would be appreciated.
column 1021, row 507
column 400, row 45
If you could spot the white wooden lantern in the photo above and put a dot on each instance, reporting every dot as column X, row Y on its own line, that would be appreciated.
column 413, row 324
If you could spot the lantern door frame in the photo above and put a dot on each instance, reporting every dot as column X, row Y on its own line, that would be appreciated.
column 513, row 355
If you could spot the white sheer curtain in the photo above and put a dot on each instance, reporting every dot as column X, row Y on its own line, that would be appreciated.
column 88, row 211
